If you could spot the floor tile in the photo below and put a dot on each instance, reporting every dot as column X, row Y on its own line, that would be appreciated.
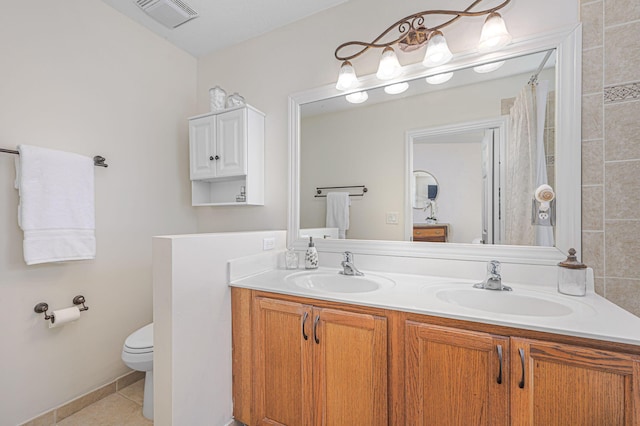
column 114, row 410
column 134, row 392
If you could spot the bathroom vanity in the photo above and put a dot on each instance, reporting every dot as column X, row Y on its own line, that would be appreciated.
column 406, row 349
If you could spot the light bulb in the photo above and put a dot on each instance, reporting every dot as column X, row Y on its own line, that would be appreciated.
column 482, row 69
column 389, row 66
column 346, row 77
column 397, row 88
column 357, row 97
column 494, row 33
column 438, row 52
column 439, row 78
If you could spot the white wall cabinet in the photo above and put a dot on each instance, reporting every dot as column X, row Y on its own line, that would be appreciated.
column 226, row 152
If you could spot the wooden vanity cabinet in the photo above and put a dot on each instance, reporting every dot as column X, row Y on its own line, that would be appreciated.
column 300, row 361
column 462, row 377
column 455, row 377
column 559, row 384
column 312, row 365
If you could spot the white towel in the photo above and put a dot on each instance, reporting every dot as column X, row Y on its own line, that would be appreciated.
column 338, row 212
column 56, row 210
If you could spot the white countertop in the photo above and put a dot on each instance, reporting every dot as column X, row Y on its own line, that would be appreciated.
column 591, row 316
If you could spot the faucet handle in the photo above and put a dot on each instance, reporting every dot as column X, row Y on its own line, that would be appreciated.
column 493, row 268
column 348, row 256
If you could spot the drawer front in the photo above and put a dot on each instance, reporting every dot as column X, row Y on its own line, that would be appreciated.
column 428, row 232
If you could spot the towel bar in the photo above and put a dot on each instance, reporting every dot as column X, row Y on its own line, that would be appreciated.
column 98, row 160
column 320, row 188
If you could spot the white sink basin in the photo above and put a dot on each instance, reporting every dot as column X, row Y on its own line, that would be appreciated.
column 333, row 282
column 517, row 302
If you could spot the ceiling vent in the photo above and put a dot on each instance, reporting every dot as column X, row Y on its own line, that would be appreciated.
column 170, row 13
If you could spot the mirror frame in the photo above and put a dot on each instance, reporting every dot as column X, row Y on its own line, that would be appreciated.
column 568, row 45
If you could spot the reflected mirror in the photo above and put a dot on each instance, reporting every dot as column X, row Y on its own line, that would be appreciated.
column 424, row 189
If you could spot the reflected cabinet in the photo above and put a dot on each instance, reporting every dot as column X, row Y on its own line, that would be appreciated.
column 431, row 233
column 300, row 361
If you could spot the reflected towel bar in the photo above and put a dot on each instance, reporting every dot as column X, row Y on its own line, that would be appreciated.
column 98, row 160
column 319, row 189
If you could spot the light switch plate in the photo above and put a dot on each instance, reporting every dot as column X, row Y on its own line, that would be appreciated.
column 268, row 243
column 392, row 218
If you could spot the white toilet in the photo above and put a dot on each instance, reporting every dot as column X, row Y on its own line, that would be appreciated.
column 137, row 353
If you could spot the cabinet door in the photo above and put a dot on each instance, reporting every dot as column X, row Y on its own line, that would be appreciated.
column 350, row 368
column 556, row 384
column 282, row 345
column 231, row 143
column 455, row 377
column 201, row 148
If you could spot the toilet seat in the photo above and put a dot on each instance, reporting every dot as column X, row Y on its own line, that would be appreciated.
column 140, row 341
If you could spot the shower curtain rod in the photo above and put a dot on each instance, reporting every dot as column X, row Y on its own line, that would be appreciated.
column 98, row 160
column 534, row 77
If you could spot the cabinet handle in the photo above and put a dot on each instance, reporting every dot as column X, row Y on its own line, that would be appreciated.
column 217, row 157
column 521, row 384
column 315, row 329
column 499, row 348
column 304, row 320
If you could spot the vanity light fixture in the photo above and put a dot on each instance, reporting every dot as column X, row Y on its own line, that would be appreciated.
column 439, row 78
column 396, row 89
column 413, row 35
column 389, row 66
column 438, row 52
column 347, row 77
column 485, row 68
column 357, row 97
column 494, row 33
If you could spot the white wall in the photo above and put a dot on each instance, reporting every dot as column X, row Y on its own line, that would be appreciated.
column 78, row 76
column 192, row 327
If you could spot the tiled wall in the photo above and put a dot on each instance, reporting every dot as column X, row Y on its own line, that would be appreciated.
column 611, row 148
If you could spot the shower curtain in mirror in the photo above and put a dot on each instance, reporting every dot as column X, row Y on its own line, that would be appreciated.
column 526, row 166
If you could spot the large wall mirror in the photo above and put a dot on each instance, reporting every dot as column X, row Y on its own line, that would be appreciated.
column 459, row 132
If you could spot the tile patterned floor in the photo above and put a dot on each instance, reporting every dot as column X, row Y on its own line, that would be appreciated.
column 123, row 408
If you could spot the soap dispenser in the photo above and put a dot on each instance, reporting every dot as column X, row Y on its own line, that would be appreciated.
column 311, row 256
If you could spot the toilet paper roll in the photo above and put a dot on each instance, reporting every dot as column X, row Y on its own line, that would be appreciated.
column 64, row 316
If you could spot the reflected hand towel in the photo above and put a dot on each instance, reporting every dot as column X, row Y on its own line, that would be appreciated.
column 338, row 212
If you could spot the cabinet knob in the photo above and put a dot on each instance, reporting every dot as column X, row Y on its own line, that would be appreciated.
column 211, row 158
column 217, row 157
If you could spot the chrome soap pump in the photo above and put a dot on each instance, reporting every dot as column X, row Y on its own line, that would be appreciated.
column 572, row 276
column 311, row 256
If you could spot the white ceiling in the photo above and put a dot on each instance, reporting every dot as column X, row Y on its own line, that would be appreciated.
column 223, row 23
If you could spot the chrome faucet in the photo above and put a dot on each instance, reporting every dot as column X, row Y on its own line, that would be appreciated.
column 494, row 280
column 348, row 266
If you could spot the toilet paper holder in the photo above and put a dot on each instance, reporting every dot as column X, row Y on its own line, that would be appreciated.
column 42, row 308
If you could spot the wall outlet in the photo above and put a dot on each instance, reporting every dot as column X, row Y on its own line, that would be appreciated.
column 392, row 218
column 268, row 243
